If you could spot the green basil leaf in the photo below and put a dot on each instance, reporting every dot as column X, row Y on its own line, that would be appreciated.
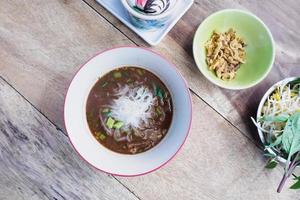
column 296, row 130
column 296, row 185
column 291, row 136
column 287, row 136
column 279, row 118
column 296, row 81
column 271, row 164
column 276, row 142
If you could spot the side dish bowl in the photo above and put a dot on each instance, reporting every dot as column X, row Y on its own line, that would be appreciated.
column 75, row 112
column 259, row 113
column 260, row 50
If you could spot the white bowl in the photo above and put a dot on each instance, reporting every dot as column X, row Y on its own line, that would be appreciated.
column 259, row 110
column 75, row 116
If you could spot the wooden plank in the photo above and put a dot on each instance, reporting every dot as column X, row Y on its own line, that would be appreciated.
column 281, row 17
column 38, row 162
column 216, row 163
column 44, row 43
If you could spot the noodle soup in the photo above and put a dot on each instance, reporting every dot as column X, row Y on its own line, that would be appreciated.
column 129, row 110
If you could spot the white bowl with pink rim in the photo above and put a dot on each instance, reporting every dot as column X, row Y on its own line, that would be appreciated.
column 75, row 116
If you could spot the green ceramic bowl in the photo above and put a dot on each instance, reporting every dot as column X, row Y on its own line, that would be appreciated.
column 260, row 50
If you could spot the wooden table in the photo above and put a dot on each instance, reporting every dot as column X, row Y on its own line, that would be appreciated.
column 43, row 43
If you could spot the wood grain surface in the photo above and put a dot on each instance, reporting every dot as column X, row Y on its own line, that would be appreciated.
column 43, row 43
column 38, row 162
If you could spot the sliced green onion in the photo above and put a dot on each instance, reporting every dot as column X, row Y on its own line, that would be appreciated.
column 97, row 133
column 158, row 111
column 272, row 163
column 140, row 72
column 117, row 74
column 104, row 84
column 102, row 137
column 118, row 125
column 110, row 122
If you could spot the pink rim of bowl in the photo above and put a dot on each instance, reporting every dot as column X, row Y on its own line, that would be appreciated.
column 190, row 111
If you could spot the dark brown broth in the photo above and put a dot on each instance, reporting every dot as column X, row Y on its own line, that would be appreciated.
column 103, row 94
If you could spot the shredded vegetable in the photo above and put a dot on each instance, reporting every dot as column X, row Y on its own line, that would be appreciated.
column 282, row 103
column 280, row 124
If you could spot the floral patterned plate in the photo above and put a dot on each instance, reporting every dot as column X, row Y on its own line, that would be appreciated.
column 152, row 37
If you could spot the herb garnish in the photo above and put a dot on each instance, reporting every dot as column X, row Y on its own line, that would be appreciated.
column 289, row 142
column 280, row 124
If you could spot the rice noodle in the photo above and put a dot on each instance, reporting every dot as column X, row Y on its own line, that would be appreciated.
column 133, row 107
